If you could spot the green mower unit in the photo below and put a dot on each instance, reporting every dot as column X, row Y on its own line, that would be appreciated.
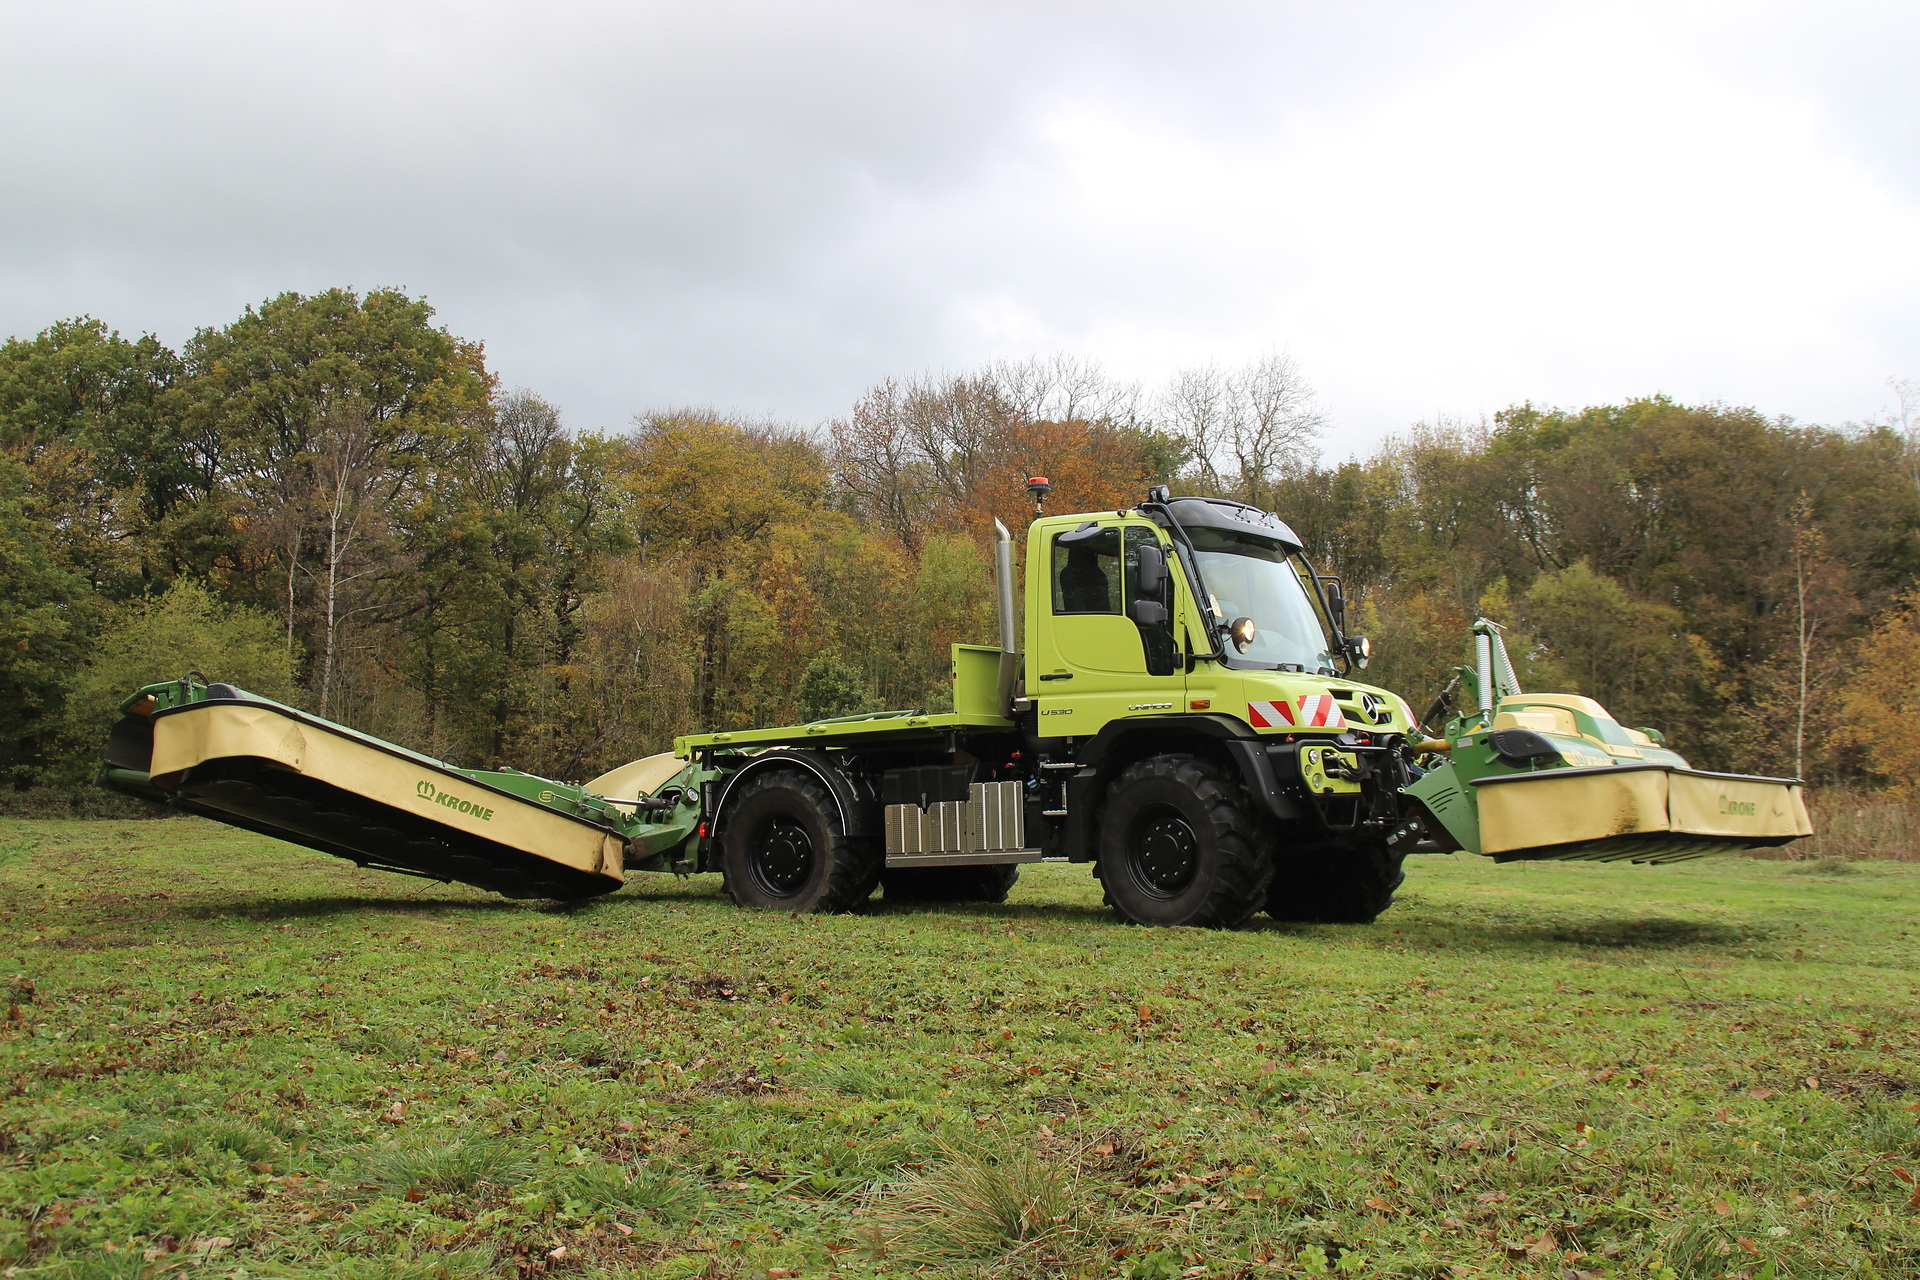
column 250, row 762
column 1547, row 776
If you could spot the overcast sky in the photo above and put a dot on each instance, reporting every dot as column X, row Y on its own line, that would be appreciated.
column 766, row 207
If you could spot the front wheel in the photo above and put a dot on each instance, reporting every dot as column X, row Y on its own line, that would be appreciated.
column 784, row 848
column 1180, row 846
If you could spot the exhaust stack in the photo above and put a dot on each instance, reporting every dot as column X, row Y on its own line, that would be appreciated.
column 1009, row 631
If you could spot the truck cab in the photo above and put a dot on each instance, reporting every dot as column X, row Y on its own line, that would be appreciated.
column 1200, row 622
column 1178, row 709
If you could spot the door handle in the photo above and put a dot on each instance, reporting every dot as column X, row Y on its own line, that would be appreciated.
column 1058, row 675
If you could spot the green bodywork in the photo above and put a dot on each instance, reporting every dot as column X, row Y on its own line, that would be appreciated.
column 976, row 671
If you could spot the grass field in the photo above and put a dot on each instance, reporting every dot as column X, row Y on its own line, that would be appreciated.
column 229, row 1057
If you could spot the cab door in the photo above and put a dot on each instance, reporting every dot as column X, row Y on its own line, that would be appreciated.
column 1100, row 655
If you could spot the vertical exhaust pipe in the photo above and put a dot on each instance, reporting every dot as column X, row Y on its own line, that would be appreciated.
column 1009, row 631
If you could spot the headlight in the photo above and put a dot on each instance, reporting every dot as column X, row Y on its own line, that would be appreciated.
column 1242, row 630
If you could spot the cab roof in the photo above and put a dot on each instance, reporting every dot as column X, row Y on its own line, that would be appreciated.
column 1234, row 517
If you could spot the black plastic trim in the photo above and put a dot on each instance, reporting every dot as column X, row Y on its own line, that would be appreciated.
column 853, row 814
column 1223, row 514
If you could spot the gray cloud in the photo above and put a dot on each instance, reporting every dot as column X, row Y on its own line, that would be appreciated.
column 768, row 207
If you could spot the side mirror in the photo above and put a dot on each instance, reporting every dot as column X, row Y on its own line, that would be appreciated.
column 1336, row 604
column 1152, row 572
column 1149, row 613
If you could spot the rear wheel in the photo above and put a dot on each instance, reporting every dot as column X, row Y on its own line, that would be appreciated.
column 784, row 848
column 1180, row 846
column 1337, row 886
column 949, row 884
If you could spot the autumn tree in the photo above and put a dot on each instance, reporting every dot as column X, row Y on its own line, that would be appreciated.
column 185, row 628
column 1635, row 657
column 85, row 412
column 1906, row 422
column 879, row 468
column 1788, row 720
column 706, row 493
column 1881, row 700
column 954, row 452
column 306, row 398
column 1244, row 429
column 47, row 615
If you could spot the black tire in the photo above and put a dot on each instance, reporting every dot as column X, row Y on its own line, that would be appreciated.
column 949, row 884
column 1337, row 886
column 1179, row 845
column 870, row 880
column 783, row 847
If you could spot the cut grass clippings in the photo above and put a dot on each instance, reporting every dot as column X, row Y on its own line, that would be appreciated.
column 224, row 1056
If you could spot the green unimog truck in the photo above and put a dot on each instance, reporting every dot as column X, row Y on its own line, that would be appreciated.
column 1179, row 708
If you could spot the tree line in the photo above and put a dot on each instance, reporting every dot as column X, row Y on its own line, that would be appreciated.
column 333, row 501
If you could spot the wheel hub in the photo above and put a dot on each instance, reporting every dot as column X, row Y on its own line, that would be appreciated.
column 782, row 857
column 1165, row 853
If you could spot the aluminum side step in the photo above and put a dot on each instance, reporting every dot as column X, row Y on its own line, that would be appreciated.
column 988, row 827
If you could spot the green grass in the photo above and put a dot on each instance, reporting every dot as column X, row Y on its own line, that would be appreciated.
column 229, row 1057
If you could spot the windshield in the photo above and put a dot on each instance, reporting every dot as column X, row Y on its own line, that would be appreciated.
column 1251, row 578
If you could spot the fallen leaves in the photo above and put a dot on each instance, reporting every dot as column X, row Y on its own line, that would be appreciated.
column 1301, row 1132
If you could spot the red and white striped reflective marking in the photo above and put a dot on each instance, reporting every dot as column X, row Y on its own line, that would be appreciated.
column 1320, row 711
column 1270, row 715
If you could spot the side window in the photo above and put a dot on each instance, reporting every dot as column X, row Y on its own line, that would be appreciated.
column 1087, row 571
